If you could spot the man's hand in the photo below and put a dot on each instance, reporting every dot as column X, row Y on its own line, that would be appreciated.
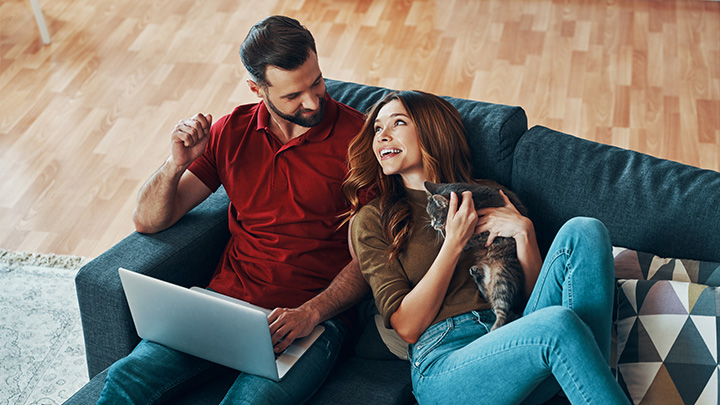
column 346, row 289
column 288, row 324
column 189, row 138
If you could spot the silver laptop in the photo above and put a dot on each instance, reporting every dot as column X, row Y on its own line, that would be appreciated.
column 209, row 325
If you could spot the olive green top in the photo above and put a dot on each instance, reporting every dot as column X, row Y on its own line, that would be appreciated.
column 390, row 282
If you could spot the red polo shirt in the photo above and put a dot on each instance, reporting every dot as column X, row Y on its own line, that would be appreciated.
column 285, row 202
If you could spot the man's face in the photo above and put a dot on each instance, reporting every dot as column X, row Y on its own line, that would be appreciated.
column 297, row 96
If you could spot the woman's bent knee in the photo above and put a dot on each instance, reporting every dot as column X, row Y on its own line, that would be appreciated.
column 586, row 226
column 561, row 321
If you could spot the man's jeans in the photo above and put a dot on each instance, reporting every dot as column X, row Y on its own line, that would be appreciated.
column 564, row 333
column 153, row 372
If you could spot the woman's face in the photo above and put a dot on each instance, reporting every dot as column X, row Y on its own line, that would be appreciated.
column 396, row 145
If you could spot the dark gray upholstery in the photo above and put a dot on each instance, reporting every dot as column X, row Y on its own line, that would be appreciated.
column 187, row 253
column 648, row 204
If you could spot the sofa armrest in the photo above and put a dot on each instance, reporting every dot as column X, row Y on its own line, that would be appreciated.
column 185, row 254
column 648, row 204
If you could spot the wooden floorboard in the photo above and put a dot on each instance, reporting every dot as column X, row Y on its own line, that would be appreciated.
column 85, row 120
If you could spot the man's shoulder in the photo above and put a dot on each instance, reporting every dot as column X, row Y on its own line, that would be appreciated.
column 243, row 112
column 241, row 117
column 349, row 114
column 351, row 111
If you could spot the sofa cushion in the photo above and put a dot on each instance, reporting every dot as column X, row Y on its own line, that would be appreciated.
column 365, row 381
column 630, row 264
column 648, row 204
column 493, row 130
column 356, row 381
column 667, row 341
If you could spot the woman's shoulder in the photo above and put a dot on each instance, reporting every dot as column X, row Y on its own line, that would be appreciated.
column 367, row 219
column 366, row 223
column 371, row 209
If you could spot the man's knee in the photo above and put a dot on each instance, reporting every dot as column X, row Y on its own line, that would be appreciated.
column 144, row 361
column 123, row 371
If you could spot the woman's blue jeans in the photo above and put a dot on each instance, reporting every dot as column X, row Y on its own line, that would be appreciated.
column 152, row 372
column 563, row 337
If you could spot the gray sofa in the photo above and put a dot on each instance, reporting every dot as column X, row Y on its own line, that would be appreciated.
column 648, row 204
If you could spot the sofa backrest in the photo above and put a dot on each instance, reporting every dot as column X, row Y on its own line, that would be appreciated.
column 648, row 204
column 493, row 130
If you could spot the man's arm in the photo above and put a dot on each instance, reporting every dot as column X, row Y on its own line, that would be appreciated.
column 288, row 324
column 347, row 289
column 172, row 191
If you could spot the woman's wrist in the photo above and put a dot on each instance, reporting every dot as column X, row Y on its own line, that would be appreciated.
column 452, row 247
column 527, row 233
column 448, row 256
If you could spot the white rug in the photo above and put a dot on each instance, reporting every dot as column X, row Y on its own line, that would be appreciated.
column 42, row 354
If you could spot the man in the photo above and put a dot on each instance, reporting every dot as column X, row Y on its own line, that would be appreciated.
column 282, row 162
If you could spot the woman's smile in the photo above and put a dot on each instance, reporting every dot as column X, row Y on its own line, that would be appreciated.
column 397, row 146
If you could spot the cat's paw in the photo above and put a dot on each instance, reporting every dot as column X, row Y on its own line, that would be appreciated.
column 478, row 275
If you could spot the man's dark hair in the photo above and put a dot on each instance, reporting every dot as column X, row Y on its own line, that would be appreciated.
column 275, row 41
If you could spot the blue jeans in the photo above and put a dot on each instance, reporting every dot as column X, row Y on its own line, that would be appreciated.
column 152, row 372
column 563, row 336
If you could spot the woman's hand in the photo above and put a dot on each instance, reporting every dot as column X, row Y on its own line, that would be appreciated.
column 461, row 221
column 505, row 221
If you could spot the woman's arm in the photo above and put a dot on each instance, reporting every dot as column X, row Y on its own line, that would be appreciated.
column 528, row 255
column 421, row 305
column 509, row 223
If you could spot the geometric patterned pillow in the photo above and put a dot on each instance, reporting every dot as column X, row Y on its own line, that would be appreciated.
column 667, row 341
column 630, row 264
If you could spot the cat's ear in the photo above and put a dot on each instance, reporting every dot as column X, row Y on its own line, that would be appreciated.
column 441, row 201
column 431, row 187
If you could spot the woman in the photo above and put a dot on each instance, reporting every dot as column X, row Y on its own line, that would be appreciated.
column 423, row 290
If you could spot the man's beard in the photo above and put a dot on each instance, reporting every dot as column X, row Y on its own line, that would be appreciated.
column 298, row 118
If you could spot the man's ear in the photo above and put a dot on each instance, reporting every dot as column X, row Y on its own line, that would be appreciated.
column 255, row 88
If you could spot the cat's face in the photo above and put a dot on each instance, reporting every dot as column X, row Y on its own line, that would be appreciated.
column 437, row 209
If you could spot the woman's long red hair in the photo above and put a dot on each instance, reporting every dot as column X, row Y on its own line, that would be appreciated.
column 445, row 158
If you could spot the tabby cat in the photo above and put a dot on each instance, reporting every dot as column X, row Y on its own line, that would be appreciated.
column 497, row 271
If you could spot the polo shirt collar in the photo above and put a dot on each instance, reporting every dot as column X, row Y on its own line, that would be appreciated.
column 316, row 133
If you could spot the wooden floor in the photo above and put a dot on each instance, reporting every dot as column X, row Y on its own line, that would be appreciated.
column 85, row 120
